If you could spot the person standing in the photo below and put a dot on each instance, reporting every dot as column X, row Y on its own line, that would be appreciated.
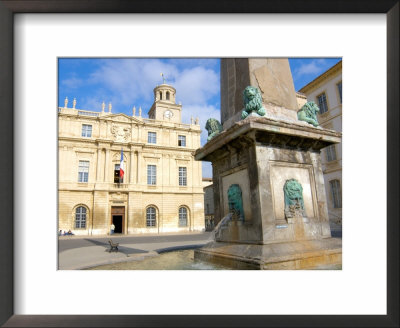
column 112, row 228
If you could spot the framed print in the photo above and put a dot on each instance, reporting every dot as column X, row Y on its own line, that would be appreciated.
column 253, row 300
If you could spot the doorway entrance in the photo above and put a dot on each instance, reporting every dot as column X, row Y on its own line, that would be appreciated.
column 117, row 221
column 117, row 218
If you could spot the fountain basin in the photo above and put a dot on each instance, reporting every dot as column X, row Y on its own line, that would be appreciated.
column 173, row 260
column 299, row 255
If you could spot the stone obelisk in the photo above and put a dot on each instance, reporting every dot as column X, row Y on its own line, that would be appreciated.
column 273, row 78
column 269, row 193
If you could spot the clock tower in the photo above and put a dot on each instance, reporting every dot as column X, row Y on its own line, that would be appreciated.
column 164, row 107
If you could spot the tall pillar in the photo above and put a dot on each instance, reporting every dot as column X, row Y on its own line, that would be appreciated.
column 98, row 169
column 139, row 155
column 131, row 178
column 170, row 164
column 107, row 165
column 192, row 174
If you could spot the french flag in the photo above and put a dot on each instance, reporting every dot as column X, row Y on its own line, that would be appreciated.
column 121, row 165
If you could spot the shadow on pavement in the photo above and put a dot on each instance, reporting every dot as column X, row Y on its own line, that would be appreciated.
column 97, row 243
column 121, row 249
column 177, row 248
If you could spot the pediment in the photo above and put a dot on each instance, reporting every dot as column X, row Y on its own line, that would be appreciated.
column 122, row 118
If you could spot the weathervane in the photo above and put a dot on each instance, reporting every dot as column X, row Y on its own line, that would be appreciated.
column 162, row 74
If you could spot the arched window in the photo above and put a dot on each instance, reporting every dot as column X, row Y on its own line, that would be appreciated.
column 80, row 217
column 160, row 95
column 150, row 217
column 167, row 95
column 183, row 217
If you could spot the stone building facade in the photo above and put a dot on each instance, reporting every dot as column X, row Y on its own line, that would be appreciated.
column 326, row 92
column 161, row 190
column 209, row 206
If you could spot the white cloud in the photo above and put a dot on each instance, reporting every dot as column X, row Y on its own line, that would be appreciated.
column 316, row 66
column 203, row 113
column 90, row 103
column 204, row 62
column 72, row 83
column 196, row 85
column 129, row 81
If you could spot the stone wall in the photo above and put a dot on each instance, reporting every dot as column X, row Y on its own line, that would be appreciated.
column 99, row 206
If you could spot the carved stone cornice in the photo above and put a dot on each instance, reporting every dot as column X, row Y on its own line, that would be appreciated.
column 77, row 139
column 272, row 132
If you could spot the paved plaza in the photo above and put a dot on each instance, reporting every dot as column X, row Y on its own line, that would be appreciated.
column 82, row 252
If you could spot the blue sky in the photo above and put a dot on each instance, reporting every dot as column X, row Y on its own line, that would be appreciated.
column 304, row 70
column 128, row 82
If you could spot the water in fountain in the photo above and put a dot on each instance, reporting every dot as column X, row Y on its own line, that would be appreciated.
column 177, row 260
column 216, row 232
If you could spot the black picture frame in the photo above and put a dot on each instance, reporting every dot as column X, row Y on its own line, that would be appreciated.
column 10, row 7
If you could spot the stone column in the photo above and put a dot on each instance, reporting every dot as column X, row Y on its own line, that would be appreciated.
column 200, row 169
column 107, row 165
column 98, row 169
column 139, row 155
column 108, row 129
column 139, row 134
column 131, row 180
column 192, row 175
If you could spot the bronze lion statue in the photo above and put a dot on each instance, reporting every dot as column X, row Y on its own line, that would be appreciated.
column 252, row 102
column 308, row 113
column 213, row 128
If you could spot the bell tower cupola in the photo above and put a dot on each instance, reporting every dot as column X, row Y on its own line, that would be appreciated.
column 164, row 92
column 164, row 107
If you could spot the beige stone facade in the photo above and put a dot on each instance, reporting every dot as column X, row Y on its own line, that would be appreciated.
column 209, row 206
column 326, row 92
column 161, row 190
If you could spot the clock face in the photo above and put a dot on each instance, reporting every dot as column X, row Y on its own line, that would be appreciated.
column 168, row 114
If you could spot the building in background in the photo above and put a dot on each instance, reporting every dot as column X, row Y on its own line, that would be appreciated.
column 207, row 182
column 209, row 206
column 326, row 92
column 161, row 186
